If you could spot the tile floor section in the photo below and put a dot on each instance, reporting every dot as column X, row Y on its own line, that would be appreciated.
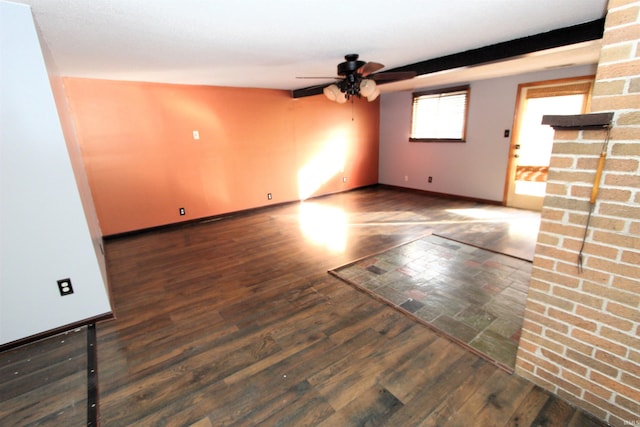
column 473, row 295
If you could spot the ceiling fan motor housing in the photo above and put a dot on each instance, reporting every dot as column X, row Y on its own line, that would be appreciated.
column 349, row 70
column 350, row 66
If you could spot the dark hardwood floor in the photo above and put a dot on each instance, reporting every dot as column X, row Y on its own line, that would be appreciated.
column 237, row 322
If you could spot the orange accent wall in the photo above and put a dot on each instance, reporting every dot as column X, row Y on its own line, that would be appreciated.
column 143, row 163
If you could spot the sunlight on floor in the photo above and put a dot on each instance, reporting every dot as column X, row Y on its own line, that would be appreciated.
column 478, row 213
column 531, row 188
column 524, row 228
column 521, row 227
column 324, row 225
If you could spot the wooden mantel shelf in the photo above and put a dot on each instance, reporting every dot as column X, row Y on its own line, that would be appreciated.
column 578, row 121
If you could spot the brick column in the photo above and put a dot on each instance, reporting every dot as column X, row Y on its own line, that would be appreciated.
column 581, row 331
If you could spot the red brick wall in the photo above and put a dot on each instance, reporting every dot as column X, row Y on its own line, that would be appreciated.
column 581, row 331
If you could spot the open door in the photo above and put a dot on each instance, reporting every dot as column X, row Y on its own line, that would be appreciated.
column 532, row 142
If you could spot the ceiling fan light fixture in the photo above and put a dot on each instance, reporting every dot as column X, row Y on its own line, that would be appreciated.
column 367, row 88
column 357, row 79
column 332, row 92
column 373, row 95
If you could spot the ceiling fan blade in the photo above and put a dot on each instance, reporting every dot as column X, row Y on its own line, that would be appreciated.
column 396, row 76
column 333, row 77
column 370, row 67
column 311, row 90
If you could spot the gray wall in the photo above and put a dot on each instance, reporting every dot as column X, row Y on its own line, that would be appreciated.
column 44, row 234
column 477, row 168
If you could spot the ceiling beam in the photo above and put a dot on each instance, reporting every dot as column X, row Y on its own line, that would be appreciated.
column 566, row 36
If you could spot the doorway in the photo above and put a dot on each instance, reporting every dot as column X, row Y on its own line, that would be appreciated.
column 532, row 141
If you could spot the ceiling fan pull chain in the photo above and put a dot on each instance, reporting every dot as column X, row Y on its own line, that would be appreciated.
column 352, row 119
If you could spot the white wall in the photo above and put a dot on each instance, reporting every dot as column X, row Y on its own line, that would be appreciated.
column 44, row 235
column 475, row 169
column 82, row 181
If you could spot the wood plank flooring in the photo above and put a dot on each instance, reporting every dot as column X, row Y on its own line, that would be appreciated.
column 45, row 383
column 237, row 322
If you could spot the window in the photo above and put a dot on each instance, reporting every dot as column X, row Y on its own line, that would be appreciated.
column 440, row 115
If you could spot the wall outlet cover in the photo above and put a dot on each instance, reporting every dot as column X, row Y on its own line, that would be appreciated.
column 65, row 287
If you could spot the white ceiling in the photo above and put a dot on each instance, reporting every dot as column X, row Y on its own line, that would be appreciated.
column 267, row 44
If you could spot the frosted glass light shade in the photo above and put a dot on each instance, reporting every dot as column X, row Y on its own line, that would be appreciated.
column 332, row 92
column 374, row 95
column 367, row 87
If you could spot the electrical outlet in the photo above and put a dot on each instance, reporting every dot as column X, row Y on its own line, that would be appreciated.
column 182, row 211
column 430, row 179
column 269, row 196
column 64, row 286
column 344, row 179
column 196, row 135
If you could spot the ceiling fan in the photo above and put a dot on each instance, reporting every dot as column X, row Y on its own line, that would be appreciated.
column 358, row 78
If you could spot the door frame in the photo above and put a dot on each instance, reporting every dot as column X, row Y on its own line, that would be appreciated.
column 552, row 87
